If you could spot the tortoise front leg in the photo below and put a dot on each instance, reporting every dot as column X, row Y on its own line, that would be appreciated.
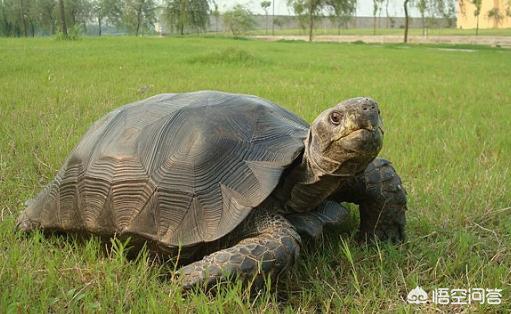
column 270, row 246
column 381, row 199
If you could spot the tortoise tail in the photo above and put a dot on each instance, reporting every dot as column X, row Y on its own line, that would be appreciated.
column 42, row 207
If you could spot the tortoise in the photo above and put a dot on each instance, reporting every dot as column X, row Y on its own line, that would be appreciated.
column 230, row 183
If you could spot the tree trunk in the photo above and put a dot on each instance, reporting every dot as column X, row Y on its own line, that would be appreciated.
column 311, row 23
column 63, row 25
column 406, row 20
column 52, row 27
column 477, row 25
column 266, row 32
column 139, row 20
column 22, row 17
column 273, row 19
column 32, row 28
column 423, row 25
column 73, row 18
column 99, row 25
column 387, row 14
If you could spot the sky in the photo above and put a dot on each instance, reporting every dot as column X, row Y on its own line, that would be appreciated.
column 364, row 7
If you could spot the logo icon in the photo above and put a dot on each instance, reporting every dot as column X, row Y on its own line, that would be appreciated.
column 417, row 296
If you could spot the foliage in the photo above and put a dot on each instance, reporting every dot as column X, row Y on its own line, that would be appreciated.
column 74, row 33
column 298, row 7
column 377, row 6
column 109, row 10
column 139, row 16
column 16, row 18
column 78, row 12
column 496, row 15
column 46, row 15
column 447, row 10
column 42, row 17
column 307, row 10
column 278, row 21
column 265, row 5
column 187, row 14
column 477, row 12
column 422, row 6
column 238, row 20
column 341, row 11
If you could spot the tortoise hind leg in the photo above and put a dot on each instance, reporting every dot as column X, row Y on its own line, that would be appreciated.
column 270, row 246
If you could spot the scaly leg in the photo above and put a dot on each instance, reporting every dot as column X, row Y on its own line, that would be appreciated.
column 382, row 201
column 270, row 245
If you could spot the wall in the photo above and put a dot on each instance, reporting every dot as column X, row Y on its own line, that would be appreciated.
column 292, row 22
column 466, row 18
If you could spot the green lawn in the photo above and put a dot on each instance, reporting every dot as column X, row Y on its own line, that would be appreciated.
column 446, row 115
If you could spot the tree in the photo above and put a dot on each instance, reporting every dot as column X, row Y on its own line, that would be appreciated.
column 62, row 17
column 387, row 13
column 308, row 8
column 238, row 20
column 78, row 12
column 407, row 20
column 448, row 11
column 265, row 5
column 45, row 14
column 7, row 24
column 109, row 10
column 422, row 5
column 216, row 14
column 377, row 4
column 182, row 14
column 279, row 22
column 273, row 18
column 4, row 25
column 17, row 16
column 138, row 15
column 341, row 11
column 496, row 15
column 26, row 17
column 477, row 12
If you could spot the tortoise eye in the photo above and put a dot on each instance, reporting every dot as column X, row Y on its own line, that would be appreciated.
column 335, row 117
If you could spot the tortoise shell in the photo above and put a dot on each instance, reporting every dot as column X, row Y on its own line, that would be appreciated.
column 178, row 169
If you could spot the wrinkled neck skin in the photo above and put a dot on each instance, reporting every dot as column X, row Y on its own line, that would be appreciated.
column 316, row 177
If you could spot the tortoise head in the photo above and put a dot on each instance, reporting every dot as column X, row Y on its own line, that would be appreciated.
column 344, row 139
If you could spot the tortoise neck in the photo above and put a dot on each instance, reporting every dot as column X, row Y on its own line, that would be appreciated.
column 307, row 185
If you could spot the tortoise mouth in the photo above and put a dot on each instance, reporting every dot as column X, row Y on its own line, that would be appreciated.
column 361, row 130
column 364, row 140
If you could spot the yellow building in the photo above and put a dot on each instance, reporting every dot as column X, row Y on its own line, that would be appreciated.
column 494, row 14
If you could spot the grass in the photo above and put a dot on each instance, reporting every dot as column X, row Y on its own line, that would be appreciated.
column 446, row 114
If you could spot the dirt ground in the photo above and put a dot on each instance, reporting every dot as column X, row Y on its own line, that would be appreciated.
column 495, row 41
